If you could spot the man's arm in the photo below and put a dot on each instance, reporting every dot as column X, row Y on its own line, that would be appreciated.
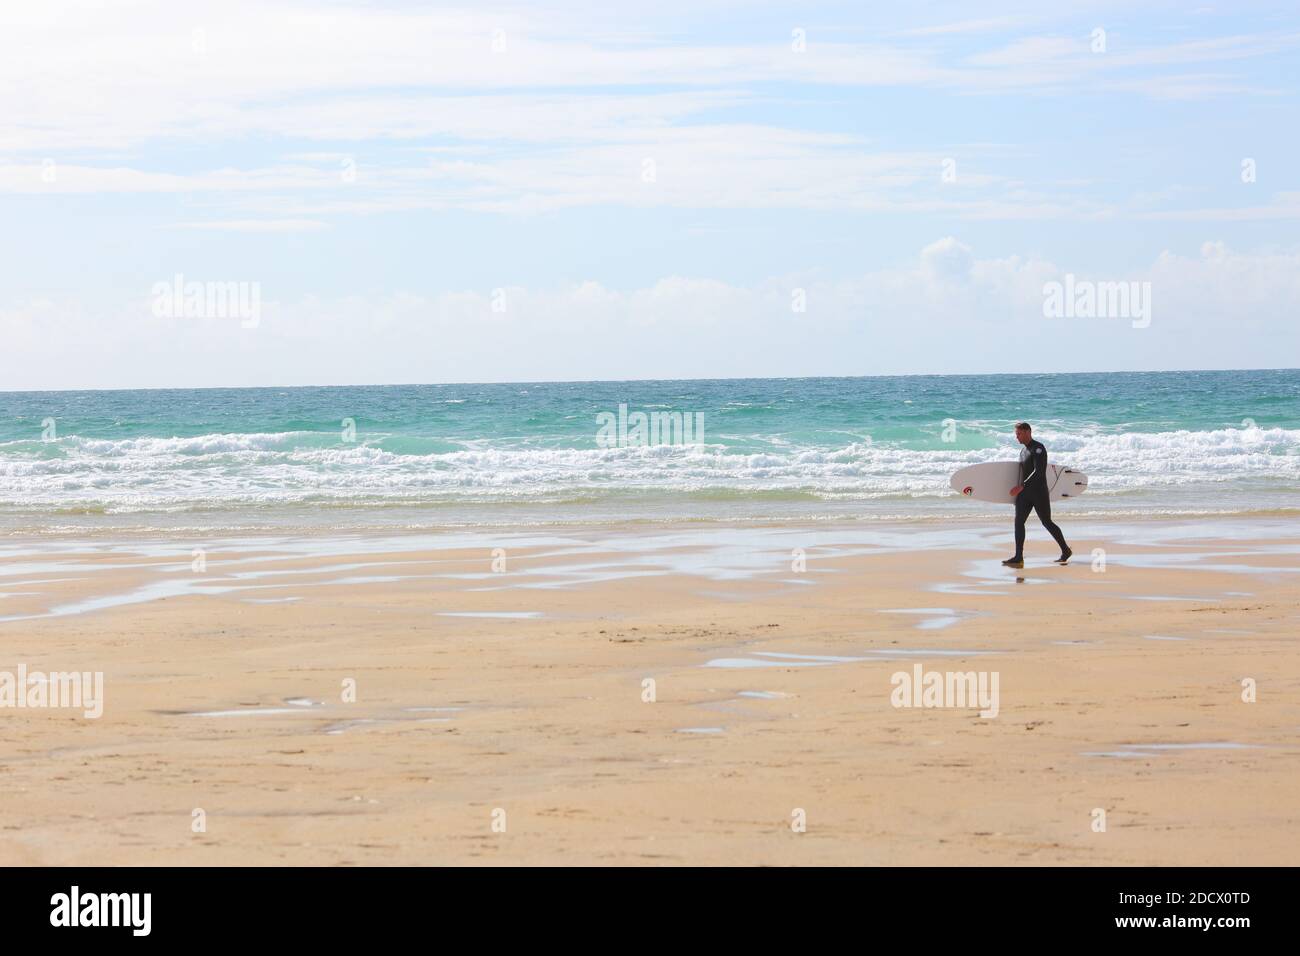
column 1036, row 481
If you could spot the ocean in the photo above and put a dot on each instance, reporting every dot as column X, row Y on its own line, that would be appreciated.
column 530, row 454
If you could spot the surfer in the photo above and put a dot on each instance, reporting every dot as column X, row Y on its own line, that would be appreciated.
column 1032, row 494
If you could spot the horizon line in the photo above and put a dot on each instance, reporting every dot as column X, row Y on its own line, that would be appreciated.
column 616, row 381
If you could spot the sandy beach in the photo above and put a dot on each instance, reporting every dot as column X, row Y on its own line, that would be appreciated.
column 658, row 694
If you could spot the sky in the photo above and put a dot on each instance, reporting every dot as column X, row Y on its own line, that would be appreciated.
column 421, row 192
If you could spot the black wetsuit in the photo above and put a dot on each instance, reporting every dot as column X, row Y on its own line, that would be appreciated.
column 1035, row 495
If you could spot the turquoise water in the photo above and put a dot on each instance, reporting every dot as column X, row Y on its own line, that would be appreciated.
column 451, row 455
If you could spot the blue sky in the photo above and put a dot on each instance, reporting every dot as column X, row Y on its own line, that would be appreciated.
column 642, row 190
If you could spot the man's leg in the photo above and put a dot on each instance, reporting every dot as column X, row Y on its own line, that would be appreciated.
column 1044, row 508
column 1023, row 508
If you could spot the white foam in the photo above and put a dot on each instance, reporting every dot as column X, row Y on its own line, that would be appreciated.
column 277, row 468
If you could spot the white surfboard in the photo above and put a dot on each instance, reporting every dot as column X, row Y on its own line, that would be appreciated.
column 993, row 481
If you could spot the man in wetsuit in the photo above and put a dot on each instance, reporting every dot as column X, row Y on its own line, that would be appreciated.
column 1032, row 494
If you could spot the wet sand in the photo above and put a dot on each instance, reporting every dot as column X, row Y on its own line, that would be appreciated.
column 501, row 716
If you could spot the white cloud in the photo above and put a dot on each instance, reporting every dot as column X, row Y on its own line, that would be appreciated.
column 79, row 74
column 985, row 25
column 945, row 310
column 564, row 116
column 947, row 259
column 697, row 167
column 255, row 225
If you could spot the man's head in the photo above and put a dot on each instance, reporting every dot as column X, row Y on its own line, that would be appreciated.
column 1024, row 434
